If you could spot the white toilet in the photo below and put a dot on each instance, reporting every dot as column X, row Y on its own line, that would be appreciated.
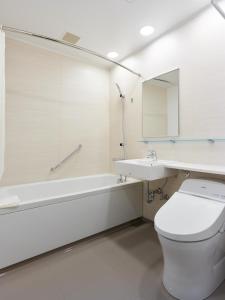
column 191, row 229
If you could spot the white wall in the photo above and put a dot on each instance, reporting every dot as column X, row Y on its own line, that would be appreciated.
column 53, row 103
column 198, row 50
column 154, row 110
column 2, row 102
column 172, row 111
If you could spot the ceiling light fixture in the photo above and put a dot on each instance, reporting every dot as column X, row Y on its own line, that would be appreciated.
column 147, row 30
column 112, row 55
column 219, row 6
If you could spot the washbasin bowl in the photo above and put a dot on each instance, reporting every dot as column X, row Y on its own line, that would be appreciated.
column 147, row 169
column 144, row 169
column 149, row 162
column 144, row 161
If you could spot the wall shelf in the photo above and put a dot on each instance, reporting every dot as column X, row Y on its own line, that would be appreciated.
column 173, row 140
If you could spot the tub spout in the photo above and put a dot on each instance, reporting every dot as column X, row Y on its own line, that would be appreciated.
column 122, row 179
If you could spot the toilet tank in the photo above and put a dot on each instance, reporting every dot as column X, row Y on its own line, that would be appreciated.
column 210, row 189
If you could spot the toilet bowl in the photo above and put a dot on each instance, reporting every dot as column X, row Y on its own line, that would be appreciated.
column 191, row 231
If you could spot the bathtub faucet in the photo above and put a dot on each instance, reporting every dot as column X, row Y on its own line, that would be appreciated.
column 122, row 179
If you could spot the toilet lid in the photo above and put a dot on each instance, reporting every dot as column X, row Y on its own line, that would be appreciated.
column 189, row 218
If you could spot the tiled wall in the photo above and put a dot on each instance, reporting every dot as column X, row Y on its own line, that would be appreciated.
column 198, row 50
column 53, row 103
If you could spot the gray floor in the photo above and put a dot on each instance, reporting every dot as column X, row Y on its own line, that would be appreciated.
column 124, row 265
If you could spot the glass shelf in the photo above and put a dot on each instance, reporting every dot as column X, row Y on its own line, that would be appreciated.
column 175, row 140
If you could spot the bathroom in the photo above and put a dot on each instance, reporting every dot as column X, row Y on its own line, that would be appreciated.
column 112, row 142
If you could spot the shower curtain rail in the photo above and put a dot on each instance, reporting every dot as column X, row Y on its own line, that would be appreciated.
column 41, row 36
column 218, row 7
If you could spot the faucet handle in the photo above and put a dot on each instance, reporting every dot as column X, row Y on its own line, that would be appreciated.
column 151, row 154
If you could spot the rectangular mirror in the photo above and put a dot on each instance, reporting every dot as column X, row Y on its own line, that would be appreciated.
column 160, row 106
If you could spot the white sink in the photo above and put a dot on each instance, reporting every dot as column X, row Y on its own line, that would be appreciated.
column 144, row 169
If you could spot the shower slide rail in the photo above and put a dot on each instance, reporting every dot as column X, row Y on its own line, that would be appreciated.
column 66, row 158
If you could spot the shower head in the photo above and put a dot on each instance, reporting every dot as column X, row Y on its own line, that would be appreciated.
column 120, row 92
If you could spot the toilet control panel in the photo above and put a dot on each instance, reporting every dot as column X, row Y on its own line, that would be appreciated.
column 204, row 188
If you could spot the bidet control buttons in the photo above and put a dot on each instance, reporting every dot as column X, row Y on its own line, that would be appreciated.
column 204, row 188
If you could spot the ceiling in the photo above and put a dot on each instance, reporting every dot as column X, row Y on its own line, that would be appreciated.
column 102, row 25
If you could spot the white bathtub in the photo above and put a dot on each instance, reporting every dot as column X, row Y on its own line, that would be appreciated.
column 55, row 213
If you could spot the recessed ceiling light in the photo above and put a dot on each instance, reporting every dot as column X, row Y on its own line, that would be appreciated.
column 147, row 30
column 112, row 54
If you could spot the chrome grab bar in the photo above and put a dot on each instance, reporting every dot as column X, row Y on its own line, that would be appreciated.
column 66, row 158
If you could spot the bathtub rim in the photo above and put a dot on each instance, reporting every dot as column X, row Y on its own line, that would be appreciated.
column 130, row 180
column 46, row 201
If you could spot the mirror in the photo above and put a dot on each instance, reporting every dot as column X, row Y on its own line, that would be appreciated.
column 160, row 106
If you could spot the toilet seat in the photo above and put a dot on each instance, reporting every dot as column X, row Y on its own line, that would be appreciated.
column 189, row 228
column 189, row 218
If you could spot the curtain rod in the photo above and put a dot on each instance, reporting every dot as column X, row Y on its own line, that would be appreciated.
column 215, row 3
column 20, row 31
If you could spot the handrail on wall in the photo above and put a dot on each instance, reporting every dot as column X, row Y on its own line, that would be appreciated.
column 66, row 158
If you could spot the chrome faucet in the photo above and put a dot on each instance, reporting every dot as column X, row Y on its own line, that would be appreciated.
column 152, row 155
column 122, row 179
